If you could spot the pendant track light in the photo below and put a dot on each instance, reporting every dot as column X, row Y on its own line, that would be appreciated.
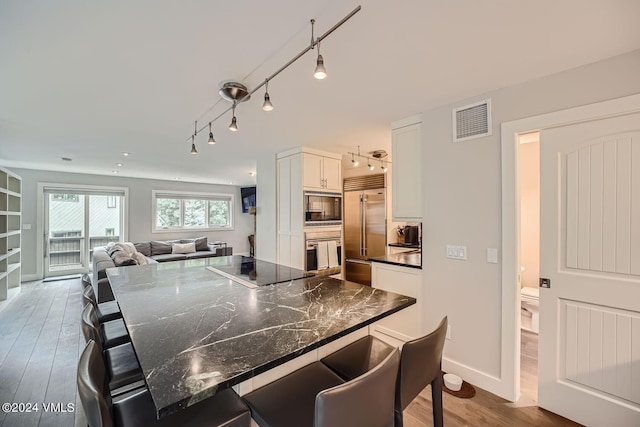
column 233, row 127
column 383, row 167
column 320, row 72
column 193, row 145
column 211, row 138
column 238, row 92
column 267, row 106
column 376, row 155
column 371, row 167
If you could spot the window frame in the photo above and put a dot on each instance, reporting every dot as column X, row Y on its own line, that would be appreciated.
column 183, row 196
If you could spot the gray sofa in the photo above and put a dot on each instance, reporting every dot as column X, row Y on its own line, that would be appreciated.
column 154, row 251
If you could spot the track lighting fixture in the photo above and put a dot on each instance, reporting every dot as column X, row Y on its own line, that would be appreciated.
column 267, row 106
column 237, row 92
column 193, row 145
column 320, row 72
column 211, row 138
column 233, row 127
column 376, row 155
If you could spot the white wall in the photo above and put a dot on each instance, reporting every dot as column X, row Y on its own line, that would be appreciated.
column 140, row 210
column 529, row 188
column 462, row 205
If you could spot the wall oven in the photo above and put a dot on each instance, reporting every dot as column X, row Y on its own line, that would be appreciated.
column 312, row 239
column 322, row 209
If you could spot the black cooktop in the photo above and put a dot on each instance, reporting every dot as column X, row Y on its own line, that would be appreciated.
column 256, row 271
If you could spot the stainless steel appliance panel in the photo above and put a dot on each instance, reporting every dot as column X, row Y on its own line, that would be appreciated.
column 364, row 232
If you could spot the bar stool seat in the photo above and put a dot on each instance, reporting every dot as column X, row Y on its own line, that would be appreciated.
column 114, row 333
column 314, row 396
column 358, row 357
column 136, row 408
column 106, row 311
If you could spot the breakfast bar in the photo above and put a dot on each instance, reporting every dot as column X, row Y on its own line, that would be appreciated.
column 197, row 329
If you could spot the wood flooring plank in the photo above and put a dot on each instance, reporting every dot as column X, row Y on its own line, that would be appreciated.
column 14, row 366
column 33, row 385
column 62, row 381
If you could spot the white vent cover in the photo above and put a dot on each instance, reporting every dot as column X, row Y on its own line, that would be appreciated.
column 472, row 121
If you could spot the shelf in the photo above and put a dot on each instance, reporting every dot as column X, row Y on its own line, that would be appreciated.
column 13, row 193
column 12, row 267
column 10, row 234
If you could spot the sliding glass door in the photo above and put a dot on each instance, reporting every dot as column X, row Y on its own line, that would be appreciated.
column 76, row 221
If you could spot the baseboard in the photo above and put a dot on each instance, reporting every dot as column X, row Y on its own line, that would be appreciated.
column 30, row 277
column 477, row 378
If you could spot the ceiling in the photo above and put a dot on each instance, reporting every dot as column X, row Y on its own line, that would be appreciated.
column 90, row 80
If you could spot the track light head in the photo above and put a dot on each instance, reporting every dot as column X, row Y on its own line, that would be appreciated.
column 320, row 72
column 267, row 106
column 193, row 145
column 370, row 166
column 354, row 161
column 211, row 138
column 233, row 127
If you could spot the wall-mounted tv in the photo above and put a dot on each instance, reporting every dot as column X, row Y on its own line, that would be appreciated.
column 248, row 195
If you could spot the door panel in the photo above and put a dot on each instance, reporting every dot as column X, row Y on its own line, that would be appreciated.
column 589, row 368
column 375, row 230
column 352, row 224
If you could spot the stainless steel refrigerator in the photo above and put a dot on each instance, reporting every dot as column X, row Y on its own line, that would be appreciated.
column 364, row 232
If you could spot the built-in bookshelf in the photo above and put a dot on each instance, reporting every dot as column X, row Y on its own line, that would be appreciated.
column 10, row 239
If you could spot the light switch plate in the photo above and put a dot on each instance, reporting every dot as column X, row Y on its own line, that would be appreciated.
column 26, row 226
column 456, row 252
column 492, row 255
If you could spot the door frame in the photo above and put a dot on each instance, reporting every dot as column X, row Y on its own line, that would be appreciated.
column 39, row 252
column 510, row 131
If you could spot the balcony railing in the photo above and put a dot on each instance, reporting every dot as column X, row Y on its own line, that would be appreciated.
column 65, row 253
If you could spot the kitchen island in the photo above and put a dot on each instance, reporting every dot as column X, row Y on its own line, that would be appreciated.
column 196, row 331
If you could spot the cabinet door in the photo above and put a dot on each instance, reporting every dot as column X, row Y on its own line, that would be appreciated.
column 407, row 178
column 312, row 171
column 332, row 169
column 283, row 195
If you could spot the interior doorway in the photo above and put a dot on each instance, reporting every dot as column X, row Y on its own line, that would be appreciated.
column 528, row 226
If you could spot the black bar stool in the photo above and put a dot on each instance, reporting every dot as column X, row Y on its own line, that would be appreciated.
column 315, row 396
column 420, row 365
column 106, row 311
column 136, row 408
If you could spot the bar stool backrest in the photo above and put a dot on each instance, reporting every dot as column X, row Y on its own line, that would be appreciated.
column 365, row 401
column 92, row 382
column 89, row 325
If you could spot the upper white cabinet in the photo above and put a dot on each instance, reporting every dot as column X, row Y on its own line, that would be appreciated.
column 10, row 229
column 322, row 172
column 406, row 154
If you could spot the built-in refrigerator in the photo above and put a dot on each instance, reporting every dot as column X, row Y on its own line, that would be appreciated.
column 364, row 230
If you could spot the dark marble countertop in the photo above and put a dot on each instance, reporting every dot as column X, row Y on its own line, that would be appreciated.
column 195, row 331
column 404, row 259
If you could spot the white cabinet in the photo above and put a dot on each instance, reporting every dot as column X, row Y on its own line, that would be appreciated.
column 407, row 177
column 321, row 172
column 406, row 324
column 10, row 229
column 289, row 212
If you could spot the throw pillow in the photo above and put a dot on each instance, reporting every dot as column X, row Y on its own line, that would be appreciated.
column 128, row 247
column 140, row 258
column 160, row 248
column 201, row 244
column 144, row 248
column 183, row 248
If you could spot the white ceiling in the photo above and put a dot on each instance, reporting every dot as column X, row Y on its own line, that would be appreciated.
column 89, row 80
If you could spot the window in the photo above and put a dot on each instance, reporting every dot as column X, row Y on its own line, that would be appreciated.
column 111, row 201
column 192, row 211
column 109, row 231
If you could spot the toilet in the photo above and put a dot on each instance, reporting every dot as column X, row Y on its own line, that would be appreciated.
column 529, row 298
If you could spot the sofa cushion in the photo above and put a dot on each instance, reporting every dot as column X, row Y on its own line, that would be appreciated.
column 120, row 259
column 200, row 254
column 201, row 244
column 169, row 257
column 160, row 248
column 183, row 248
column 144, row 248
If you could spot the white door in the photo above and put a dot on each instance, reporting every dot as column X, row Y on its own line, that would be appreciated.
column 589, row 353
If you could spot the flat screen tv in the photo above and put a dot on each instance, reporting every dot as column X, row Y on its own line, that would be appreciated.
column 248, row 195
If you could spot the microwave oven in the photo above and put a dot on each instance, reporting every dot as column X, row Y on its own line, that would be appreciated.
column 322, row 209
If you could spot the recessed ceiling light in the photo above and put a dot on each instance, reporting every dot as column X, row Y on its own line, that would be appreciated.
column 124, row 153
column 119, row 164
column 115, row 171
column 66, row 159
column 178, row 178
column 252, row 174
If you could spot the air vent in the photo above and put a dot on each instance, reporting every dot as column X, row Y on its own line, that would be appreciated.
column 472, row 121
column 365, row 182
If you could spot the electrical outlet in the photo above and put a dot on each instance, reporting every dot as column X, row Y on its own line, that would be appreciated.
column 26, row 226
column 448, row 332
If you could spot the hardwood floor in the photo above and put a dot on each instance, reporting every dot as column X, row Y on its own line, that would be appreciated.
column 40, row 341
